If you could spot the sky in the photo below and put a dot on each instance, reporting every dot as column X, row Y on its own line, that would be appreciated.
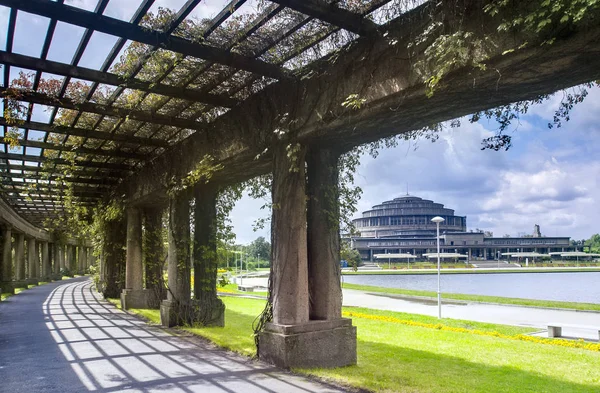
column 549, row 177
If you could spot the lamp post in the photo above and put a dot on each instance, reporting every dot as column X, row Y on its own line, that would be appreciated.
column 498, row 257
column 437, row 221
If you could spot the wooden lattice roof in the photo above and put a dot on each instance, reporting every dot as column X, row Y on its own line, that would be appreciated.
column 131, row 112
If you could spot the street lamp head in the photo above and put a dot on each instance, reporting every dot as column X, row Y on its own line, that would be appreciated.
column 437, row 219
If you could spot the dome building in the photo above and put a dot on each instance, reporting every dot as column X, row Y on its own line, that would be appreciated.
column 403, row 226
column 407, row 216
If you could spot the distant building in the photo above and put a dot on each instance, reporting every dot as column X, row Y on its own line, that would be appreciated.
column 403, row 225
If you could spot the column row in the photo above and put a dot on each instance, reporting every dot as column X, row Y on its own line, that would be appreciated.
column 25, row 261
column 307, row 329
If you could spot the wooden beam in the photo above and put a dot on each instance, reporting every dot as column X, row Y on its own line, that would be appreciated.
column 47, row 190
column 44, row 186
column 332, row 14
column 118, row 28
column 89, row 74
column 11, row 181
column 61, row 161
column 72, row 179
column 106, row 110
column 45, row 199
column 85, row 150
column 74, row 131
column 102, row 174
column 49, row 204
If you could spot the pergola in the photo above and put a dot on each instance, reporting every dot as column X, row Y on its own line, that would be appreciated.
column 206, row 105
column 109, row 140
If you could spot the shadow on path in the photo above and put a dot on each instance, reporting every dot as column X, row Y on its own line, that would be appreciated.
column 71, row 340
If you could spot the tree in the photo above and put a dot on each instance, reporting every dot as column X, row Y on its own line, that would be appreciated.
column 260, row 249
column 593, row 243
column 350, row 255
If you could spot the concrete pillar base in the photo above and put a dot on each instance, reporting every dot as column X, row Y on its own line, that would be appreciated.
column 20, row 284
column 7, row 287
column 141, row 298
column 177, row 314
column 329, row 343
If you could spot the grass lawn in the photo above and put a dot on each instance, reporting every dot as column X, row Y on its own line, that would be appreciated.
column 477, row 298
column 232, row 288
column 397, row 358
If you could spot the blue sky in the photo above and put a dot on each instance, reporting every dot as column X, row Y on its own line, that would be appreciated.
column 549, row 177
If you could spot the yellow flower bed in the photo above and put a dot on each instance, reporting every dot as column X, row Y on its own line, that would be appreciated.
column 520, row 337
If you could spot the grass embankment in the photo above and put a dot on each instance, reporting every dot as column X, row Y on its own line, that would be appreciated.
column 397, row 357
column 477, row 298
column 19, row 290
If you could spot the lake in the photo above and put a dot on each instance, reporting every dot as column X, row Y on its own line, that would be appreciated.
column 581, row 287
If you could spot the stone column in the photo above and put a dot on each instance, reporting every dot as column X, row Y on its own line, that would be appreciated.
column 324, row 235
column 293, row 339
column 60, row 257
column 133, row 269
column 7, row 262
column 90, row 257
column 210, row 309
column 173, row 311
column 82, row 258
column 69, row 259
column 288, row 228
column 113, row 255
column 74, row 260
column 46, row 267
column 32, row 261
column 20, row 257
column 154, row 252
column 134, row 295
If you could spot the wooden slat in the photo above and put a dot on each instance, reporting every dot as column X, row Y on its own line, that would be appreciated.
column 71, row 179
column 107, row 110
column 84, row 150
column 333, row 14
column 60, row 161
column 47, row 190
column 136, row 140
column 81, row 172
column 108, row 78
column 21, row 183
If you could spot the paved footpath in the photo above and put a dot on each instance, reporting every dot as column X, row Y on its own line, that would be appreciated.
column 62, row 337
column 491, row 313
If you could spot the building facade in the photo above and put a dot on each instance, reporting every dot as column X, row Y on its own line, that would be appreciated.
column 403, row 225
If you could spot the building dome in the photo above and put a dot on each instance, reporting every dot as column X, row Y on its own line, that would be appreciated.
column 407, row 216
